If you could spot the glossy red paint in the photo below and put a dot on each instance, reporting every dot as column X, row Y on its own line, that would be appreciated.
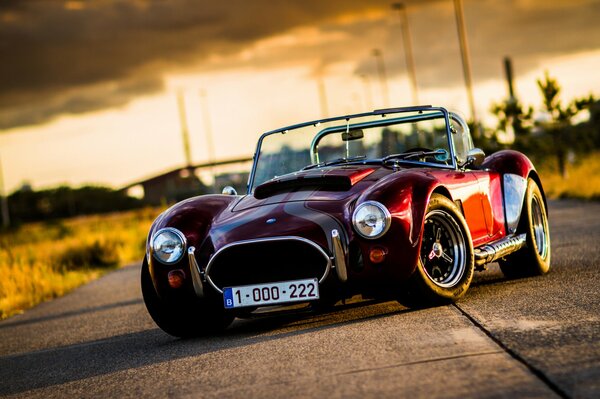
column 509, row 161
column 312, row 211
column 193, row 217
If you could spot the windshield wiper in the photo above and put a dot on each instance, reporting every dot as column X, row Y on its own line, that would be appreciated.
column 413, row 154
column 338, row 161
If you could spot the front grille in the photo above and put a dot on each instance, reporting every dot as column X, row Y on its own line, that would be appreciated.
column 266, row 261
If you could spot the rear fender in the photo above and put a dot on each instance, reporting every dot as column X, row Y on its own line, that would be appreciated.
column 515, row 169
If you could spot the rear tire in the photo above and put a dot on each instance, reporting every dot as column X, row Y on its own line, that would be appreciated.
column 534, row 258
column 191, row 318
column 446, row 262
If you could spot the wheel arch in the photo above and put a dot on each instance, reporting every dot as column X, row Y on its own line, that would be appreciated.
column 192, row 217
column 534, row 175
column 406, row 196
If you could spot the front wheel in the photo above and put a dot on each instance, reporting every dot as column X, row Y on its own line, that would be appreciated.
column 534, row 258
column 446, row 263
column 183, row 319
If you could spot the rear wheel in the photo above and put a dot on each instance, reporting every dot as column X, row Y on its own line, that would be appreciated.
column 445, row 266
column 534, row 258
column 183, row 319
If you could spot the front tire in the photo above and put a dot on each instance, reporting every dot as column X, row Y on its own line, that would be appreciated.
column 188, row 318
column 446, row 262
column 534, row 258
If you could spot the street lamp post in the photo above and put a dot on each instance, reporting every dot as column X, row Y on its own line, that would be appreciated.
column 322, row 96
column 466, row 60
column 408, row 53
column 367, row 88
column 210, row 146
column 184, row 129
column 382, row 76
column 3, row 200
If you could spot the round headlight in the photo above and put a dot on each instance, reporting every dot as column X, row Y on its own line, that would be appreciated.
column 371, row 219
column 168, row 245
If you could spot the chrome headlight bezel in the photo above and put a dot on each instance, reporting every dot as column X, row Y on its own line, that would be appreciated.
column 156, row 250
column 359, row 223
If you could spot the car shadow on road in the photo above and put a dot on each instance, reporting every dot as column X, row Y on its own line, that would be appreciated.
column 19, row 322
column 30, row 371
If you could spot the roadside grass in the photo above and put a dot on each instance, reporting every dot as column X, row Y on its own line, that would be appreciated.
column 582, row 182
column 40, row 261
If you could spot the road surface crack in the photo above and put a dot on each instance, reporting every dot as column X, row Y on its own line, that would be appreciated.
column 534, row 370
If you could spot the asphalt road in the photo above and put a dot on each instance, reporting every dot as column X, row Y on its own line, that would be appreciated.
column 533, row 337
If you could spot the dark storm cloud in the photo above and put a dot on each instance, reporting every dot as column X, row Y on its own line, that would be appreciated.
column 51, row 49
column 528, row 31
column 73, row 56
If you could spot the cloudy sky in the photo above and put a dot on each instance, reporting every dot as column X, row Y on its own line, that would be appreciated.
column 88, row 89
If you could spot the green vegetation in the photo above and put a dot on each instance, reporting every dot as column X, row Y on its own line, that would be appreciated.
column 551, row 136
column 39, row 261
column 26, row 205
column 583, row 181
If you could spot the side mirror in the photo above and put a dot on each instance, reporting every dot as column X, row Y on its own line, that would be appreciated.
column 228, row 190
column 475, row 157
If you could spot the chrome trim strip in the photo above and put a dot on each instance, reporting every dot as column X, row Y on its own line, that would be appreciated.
column 259, row 240
column 196, row 273
column 339, row 255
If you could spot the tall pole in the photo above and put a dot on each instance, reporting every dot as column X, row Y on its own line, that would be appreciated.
column 322, row 96
column 207, row 126
column 382, row 76
column 408, row 53
column 184, row 129
column 210, row 146
column 466, row 60
column 368, row 94
column 3, row 200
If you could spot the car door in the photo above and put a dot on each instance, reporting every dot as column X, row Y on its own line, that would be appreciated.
column 490, row 197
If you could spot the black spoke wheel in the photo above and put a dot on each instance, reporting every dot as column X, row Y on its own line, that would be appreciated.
column 189, row 318
column 534, row 258
column 443, row 251
column 445, row 266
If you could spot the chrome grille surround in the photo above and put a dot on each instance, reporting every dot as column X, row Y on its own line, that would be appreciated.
column 317, row 250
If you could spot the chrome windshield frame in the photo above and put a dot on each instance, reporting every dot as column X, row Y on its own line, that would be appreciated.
column 382, row 112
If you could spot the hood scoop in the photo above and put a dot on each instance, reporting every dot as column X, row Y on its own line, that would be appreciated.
column 338, row 179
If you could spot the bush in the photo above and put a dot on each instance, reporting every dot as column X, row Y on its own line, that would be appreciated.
column 97, row 254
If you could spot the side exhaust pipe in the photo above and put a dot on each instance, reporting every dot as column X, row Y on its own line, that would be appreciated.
column 498, row 249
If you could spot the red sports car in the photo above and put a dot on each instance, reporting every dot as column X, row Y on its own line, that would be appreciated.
column 394, row 203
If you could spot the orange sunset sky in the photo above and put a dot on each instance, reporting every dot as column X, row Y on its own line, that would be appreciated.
column 88, row 89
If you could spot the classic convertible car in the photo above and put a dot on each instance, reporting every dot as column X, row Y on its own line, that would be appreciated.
column 394, row 203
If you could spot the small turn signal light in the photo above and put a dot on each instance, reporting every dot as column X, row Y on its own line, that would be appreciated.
column 377, row 254
column 176, row 278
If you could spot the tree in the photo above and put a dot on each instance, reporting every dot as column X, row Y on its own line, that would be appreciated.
column 514, row 117
column 557, row 125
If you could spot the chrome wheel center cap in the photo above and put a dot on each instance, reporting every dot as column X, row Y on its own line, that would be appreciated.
column 437, row 249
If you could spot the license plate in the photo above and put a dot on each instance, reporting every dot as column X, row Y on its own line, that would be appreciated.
column 271, row 293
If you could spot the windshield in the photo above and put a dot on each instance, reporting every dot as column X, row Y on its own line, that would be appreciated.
column 415, row 137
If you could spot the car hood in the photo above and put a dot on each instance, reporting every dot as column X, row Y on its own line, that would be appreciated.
column 325, row 184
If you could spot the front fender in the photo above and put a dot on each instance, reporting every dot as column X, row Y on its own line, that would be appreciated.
column 193, row 217
column 406, row 196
